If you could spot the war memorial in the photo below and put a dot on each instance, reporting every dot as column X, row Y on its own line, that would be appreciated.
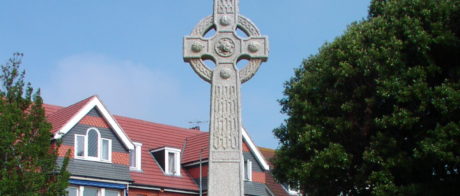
column 225, row 49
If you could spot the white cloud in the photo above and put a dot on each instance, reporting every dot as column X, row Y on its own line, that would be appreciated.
column 127, row 88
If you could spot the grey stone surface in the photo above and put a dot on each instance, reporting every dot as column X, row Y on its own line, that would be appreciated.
column 225, row 48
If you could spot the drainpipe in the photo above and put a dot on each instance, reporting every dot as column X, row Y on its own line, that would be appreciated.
column 201, row 175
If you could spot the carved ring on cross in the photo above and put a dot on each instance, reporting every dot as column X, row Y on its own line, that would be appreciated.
column 206, row 25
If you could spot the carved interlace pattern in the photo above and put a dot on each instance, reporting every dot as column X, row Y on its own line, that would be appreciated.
column 250, row 70
column 201, row 69
column 225, row 122
column 248, row 26
column 203, row 26
column 225, row 7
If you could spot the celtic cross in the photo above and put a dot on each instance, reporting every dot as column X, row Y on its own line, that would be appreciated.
column 225, row 49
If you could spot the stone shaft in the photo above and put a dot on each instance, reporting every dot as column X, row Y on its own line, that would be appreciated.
column 225, row 176
column 225, row 48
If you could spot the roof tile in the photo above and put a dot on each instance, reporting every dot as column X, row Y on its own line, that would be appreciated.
column 59, row 117
column 193, row 147
column 153, row 136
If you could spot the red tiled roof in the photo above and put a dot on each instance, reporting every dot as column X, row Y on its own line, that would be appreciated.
column 51, row 109
column 154, row 136
column 268, row 154
column 58, row 117
column 193, row 147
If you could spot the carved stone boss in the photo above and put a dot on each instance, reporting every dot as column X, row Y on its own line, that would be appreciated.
column 225, row 49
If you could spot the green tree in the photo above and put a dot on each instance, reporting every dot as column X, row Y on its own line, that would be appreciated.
column 27, row 152
column 377, row 111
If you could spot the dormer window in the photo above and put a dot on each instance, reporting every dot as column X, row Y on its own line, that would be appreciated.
column 135, row 157
column 92, row 147
column 168, row 159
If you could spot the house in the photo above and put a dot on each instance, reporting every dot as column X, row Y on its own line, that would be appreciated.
column 116, row 156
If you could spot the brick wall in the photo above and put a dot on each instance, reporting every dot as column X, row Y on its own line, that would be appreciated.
column 245, row 147
column 94, row 121
column 259, row 177
column 120, row 158
column 195, row 171
column 63, row 150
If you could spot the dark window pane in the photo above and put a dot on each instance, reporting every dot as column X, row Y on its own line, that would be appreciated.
column 90, row 191
column 105, row 149
column 111, row 192
column 71, row 191
column 171, row 164
column 92, row 143
column 132, row 158
column 80, row 145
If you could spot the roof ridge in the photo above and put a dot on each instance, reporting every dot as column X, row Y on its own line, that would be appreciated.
column 55, row 117
column 156, row 123
column 83, row 100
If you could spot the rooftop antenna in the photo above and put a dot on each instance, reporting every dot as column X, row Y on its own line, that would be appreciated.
column 196, row 124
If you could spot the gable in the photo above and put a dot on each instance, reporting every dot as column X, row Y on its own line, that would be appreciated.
column 91, row 121
column 87, row 111
column 254, row 150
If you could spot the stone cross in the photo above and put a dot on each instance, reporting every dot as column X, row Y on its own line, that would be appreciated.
column 225, row 49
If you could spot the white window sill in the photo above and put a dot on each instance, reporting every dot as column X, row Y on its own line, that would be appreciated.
column 172, row 175
column 135, row 169
column 92, row 159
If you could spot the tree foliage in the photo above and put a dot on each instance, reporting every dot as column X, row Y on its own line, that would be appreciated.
column 377, row 111
column 27, row 154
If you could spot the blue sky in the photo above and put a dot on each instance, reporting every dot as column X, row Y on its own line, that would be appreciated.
column 129, row 53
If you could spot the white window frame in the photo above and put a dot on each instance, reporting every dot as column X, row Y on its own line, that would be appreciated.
column 99, row 147
column 76, row 147
column 137, row 156
column 98, row 156
column 109, row 151
column 100, row 191
column 248, row 171
column 177, row 162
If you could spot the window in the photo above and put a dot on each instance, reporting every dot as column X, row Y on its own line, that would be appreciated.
column 168, row 159
column 248, row 170
column 91, row 191
column 71, row 191
column 111, row 192
column 106, row 143
column 172, row 162
column 135, row 157
column 92, row 147
column 93, row 143
column 132, row 158
column 79, row 145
